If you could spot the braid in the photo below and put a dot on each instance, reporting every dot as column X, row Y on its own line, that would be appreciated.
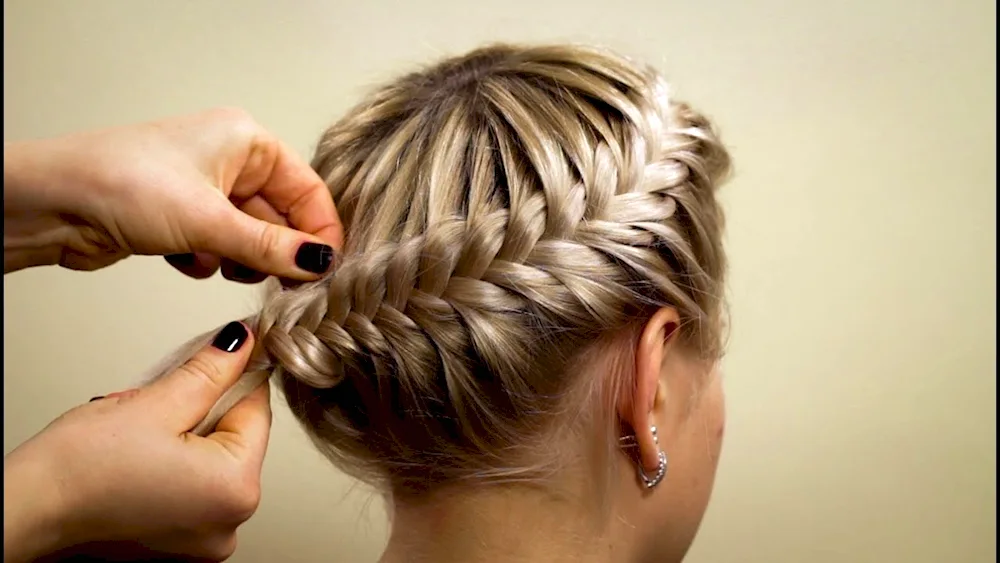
column 505, row 210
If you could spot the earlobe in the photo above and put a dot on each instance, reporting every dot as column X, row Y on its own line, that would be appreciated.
column 648, row 391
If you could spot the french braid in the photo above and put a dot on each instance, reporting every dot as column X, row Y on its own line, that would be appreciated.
column 504, row 210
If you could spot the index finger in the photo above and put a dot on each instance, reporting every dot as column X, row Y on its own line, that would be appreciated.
column 292, row 188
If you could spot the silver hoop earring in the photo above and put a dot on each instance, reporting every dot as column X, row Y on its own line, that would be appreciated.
column 649, row 481
column 661, row 472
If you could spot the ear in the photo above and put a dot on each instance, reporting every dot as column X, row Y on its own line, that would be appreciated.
column 649, row 391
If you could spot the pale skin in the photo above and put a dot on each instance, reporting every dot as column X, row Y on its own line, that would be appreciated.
column 122, row 475
column 215, row 184
column 682, row 396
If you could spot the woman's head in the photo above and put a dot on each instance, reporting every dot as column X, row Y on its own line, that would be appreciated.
column 533, row 268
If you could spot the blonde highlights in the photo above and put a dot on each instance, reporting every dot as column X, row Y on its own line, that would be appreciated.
column 505, row 211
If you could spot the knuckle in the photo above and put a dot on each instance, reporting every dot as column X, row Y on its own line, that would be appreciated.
column 244, row 501
column 204, row 370
column 268, row 241
column 235, row 115
column 238, row 122
column 221, row 547
column 242, row 497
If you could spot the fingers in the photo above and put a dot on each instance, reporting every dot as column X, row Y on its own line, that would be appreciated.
column 247, row 384
column 128, row 393
column 286, row 182
column 198, row 265
column 195, row 266
column 286, row 223
column 234, row 271
column 186, row 395
column 246, row 428
column 260, row 208
column 257, row 207
column 202, row 266
column 266, row 247
column 314, row 212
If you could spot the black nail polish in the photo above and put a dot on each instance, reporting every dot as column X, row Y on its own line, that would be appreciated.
column 97, row 398
column 182, row 260
column 313, row 257
column 231, row 337
column 241, row 272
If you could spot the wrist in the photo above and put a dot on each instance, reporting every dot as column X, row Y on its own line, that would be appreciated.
column 39, row 204
column 33, row 512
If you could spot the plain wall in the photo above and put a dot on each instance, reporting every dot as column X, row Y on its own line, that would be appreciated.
column 861, row 372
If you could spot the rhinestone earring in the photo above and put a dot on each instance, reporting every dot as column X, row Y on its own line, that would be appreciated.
column 649, row 481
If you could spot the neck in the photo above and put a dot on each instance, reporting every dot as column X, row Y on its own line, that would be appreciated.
column 508, row 524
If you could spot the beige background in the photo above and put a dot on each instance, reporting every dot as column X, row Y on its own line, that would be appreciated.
column 861, row 376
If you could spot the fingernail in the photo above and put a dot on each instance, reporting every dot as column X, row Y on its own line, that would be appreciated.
column 121, row 394
column 241, row 272
column 314, row 257
column 97, row 398
column 231, row 337
column 187, row 259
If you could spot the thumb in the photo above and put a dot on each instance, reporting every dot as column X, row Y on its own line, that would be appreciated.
column 267, row 247
column 187, row 394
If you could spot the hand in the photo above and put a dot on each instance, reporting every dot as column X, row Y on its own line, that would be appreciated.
column 204, row 190
column 125, row 469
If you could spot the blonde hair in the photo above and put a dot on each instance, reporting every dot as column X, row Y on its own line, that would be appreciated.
column 507, row 213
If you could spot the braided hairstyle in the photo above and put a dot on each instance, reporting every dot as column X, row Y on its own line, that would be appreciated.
column 504, row 211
